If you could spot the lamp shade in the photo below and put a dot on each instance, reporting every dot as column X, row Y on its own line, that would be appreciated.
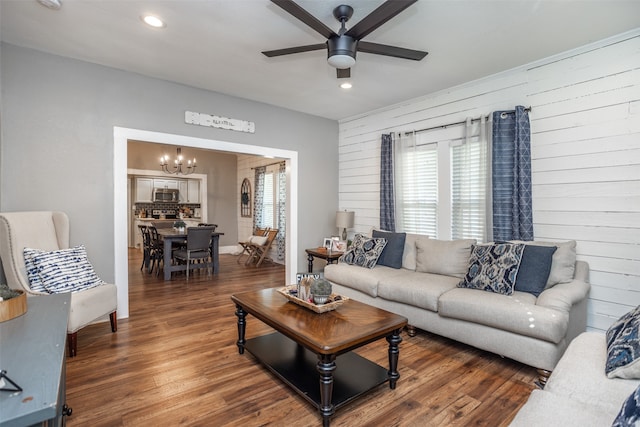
column 344, row 219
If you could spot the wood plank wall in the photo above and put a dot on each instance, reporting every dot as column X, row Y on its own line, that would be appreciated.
column 585, row 123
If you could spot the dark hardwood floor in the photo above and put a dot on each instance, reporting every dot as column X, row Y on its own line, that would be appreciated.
column 175, row 362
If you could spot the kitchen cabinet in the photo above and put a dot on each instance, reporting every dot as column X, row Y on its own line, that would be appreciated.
column 144, row 190
column 171, row 184
column 189, row 191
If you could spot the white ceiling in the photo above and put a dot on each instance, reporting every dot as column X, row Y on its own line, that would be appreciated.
column 216, row 44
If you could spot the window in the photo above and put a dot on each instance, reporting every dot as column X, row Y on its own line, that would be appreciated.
column 441, row 181
column 270, row 200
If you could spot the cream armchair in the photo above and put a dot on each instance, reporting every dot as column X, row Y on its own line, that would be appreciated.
column 49, row 231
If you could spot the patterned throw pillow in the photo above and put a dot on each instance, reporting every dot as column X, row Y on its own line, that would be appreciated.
column 35, row 282
column 493, row 268
column 623, row 347
column 364, row 251
column 65, row 270
column 629, row 414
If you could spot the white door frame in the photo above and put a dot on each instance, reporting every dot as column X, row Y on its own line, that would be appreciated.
column 120, row 138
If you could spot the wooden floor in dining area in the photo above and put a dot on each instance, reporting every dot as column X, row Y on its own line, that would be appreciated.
column 175, row 362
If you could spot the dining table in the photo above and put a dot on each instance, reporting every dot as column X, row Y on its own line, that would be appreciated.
column 171, row 235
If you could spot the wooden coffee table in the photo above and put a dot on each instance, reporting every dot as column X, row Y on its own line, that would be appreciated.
column 312, row 352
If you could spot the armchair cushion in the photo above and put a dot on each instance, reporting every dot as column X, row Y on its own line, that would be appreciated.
column 64, row 270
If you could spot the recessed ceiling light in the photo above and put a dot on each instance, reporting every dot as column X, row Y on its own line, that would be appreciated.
column 346, row 85
column 153, row 21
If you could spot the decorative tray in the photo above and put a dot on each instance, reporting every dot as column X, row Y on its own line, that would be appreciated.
column 335, row 300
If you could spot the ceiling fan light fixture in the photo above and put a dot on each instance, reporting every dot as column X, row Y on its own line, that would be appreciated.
column 341, row 61
column 341, row 51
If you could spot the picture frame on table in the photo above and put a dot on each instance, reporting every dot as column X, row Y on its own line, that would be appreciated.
column 327, row 243
column 338, row 245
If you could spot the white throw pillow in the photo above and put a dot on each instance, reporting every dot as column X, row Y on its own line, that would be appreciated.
column 258, row 240
column 448, row 257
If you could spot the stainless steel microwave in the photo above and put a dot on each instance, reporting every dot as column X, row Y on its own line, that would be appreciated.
column 167, row 195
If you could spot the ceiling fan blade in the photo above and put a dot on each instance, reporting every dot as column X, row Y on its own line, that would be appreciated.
column 343, row 73
column 305, row 17
column 382, row 14
column 396, row 52
column 297, row 49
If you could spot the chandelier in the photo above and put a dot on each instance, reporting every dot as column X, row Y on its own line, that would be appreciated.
column 177, row 164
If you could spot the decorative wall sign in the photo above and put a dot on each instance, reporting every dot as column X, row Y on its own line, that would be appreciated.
column 245, row 199
column 208, row 120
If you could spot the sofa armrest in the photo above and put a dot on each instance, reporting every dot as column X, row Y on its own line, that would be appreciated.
column 563, row 296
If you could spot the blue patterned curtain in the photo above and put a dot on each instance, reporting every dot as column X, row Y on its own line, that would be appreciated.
column 511, row 164
column 258, row 205
column 387, row 199
column 282, row 209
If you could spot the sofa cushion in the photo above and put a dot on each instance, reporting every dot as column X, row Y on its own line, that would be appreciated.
column 534, row 270
column 563, row 262
column 364, row 251
column 64, row 270
column 449, row 257
column 629, row 414
column 409, row 256
column 417, row 289
column 547, row 409
column 516, row 313
column 361, row 279
column 580, row 374
column 493, row 267
column 393, row 251
column 623, row 346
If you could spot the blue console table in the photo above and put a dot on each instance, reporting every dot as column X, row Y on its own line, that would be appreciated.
column 32, row 352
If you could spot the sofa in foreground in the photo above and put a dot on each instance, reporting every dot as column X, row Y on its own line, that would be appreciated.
column 419, row 278
column 578, row 393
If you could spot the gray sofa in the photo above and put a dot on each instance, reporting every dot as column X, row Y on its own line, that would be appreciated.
column 578, row 392
column 532, row 330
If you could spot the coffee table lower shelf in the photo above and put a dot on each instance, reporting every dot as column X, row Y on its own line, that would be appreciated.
column 297, row 367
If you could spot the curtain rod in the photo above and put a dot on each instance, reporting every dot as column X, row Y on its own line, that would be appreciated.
column 452, row 124
column 270, row 164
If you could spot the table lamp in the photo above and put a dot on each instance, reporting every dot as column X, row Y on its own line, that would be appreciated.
column 344, row 220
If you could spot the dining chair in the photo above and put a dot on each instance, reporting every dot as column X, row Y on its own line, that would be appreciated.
column 146, row 247
column 204, row 224
column 157, row 249
column 198, row 248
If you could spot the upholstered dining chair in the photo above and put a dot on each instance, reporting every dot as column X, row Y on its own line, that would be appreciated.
column 49, row 231
column 198, row 247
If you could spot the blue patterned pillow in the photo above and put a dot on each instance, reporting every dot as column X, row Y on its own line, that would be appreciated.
column 35, row 282
column 629, row 414
column 65, row 270
column 493, row 268
column 364, row 251
column 623, row 347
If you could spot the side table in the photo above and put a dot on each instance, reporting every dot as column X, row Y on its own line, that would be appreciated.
column 322, row 253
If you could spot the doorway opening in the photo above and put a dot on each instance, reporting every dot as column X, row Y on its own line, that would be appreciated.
column 121, row 136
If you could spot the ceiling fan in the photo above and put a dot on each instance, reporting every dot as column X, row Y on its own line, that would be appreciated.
column 342, row 46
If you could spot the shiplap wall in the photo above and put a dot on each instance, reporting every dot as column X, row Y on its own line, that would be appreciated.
column 585, row 124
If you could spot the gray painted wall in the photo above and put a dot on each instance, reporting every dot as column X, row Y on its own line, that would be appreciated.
column 57, row 142
column 221, row 171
